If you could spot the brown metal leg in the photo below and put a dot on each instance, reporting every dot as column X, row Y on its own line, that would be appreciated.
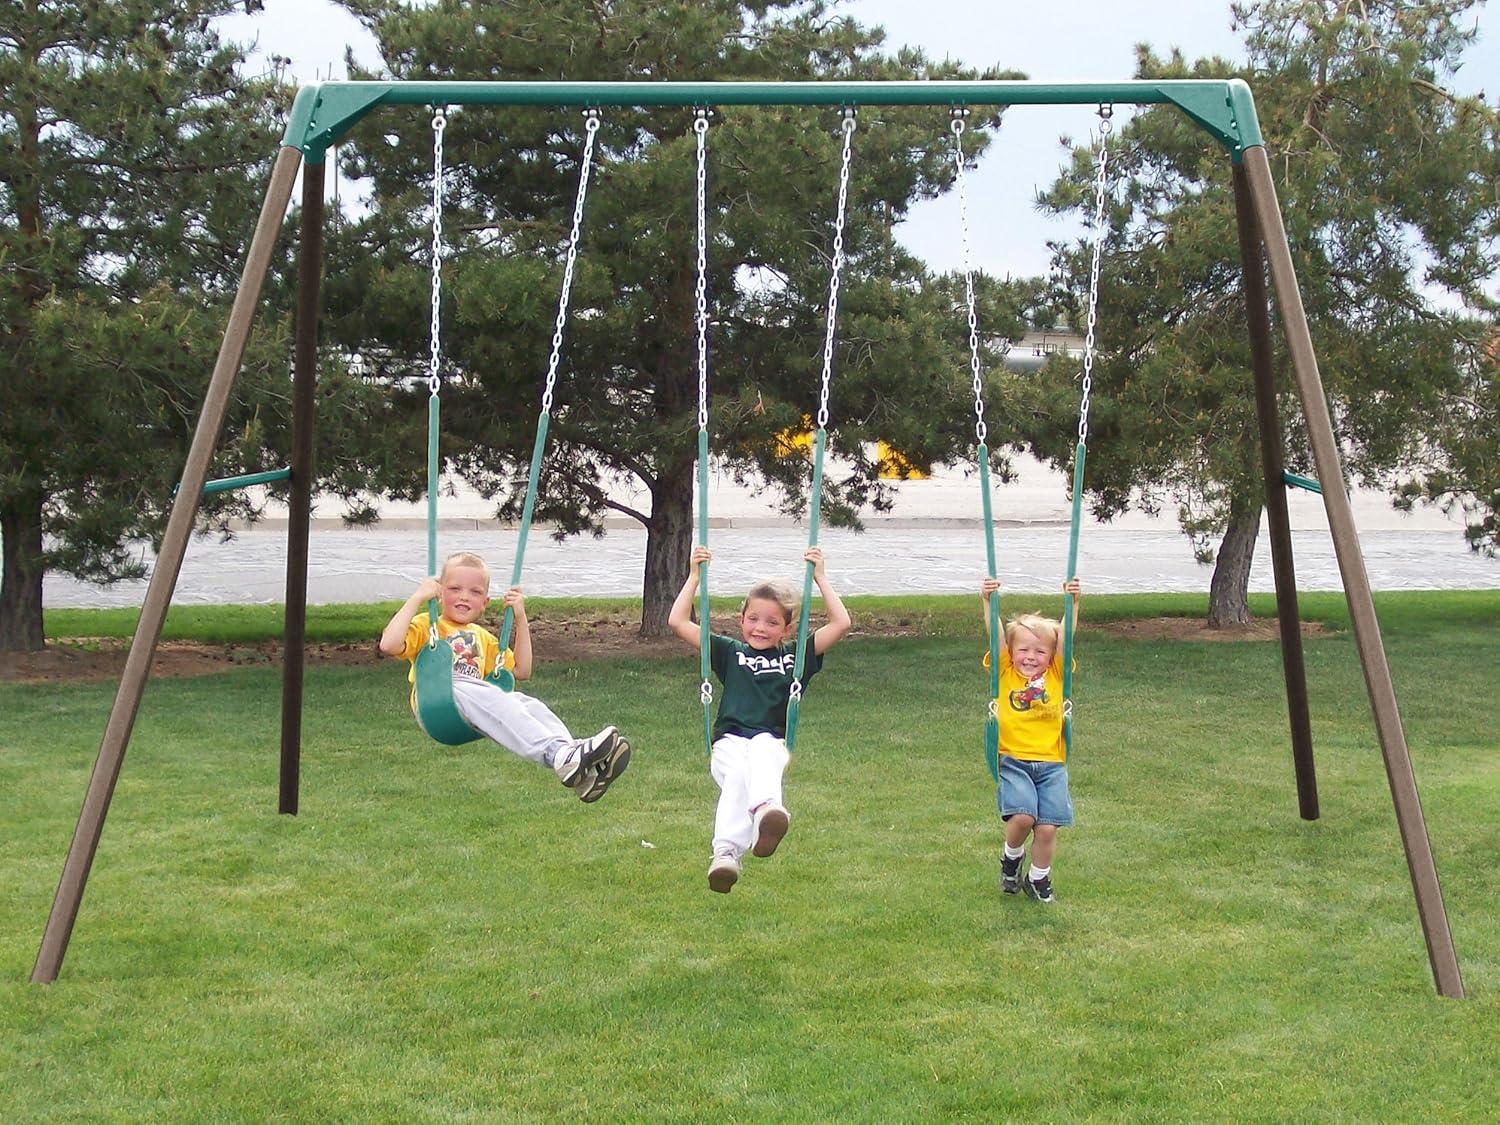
column 163, row 577
column 1288, row 616
column 299, row 514
column 1377, row 671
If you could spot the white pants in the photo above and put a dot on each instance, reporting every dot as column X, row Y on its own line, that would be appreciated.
column 748, row 772
column 521, row 724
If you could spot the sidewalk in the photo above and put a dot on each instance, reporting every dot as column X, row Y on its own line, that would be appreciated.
column 931, row 542
column 1038, row 497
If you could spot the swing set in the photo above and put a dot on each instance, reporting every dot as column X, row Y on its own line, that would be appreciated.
column 323, row 114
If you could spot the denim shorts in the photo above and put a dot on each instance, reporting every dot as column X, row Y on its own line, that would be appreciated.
column 1038, row 789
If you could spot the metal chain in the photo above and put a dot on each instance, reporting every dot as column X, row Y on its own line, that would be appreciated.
column 700, row 129
column 434, row 363
column 957, row 125
column 1093, row 308
column 838, row 264
column 591, row 127
column 439, row 123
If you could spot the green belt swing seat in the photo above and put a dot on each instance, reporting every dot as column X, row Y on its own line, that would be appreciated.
column 820, row 437
column 982, row 453
column 436, row 711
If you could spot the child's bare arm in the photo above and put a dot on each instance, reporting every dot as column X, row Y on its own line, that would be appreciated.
column 1076, row 589
column 986, row 589
column 521, row 644
column 393, row 638
column 680, row 616
column 839, row 622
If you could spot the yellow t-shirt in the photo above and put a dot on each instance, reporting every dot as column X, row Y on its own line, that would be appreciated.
column 476, row 651
column 1031, row 714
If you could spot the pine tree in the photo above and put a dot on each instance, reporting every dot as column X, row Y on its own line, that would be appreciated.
column 1388, row 189
column 625, row 407
column 132, row 152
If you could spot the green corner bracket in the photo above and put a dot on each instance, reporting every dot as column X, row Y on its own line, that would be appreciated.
column 1225, row 109
column 324, row 112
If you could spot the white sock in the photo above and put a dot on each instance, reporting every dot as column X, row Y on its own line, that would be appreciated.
column 1014, row 853
column 1036, row 873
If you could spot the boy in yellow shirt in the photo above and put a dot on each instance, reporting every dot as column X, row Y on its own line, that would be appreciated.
column 1033, row 794
column 523, row 725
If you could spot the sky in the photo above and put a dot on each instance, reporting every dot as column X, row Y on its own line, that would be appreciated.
column 1060, row 40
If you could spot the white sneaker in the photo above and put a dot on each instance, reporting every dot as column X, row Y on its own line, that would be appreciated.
column 723, row 871
column 771, row 823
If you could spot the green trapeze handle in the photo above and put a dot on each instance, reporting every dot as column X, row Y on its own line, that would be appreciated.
column 1070, row 610
column 432, row 517
column 704, row 641
column 793, row 705
column 507, row 623
column 992, row 722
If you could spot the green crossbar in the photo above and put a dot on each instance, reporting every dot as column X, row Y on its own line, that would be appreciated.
column 323, row 113
column 1295, row 481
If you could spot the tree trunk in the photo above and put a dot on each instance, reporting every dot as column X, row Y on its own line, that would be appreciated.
column 1228, row 592
column 669, row 546
column 21, row 577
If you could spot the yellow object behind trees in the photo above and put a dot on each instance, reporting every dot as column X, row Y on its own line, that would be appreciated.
column 894, row 465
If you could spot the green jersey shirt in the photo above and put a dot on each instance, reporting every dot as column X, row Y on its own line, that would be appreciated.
column 757, row 684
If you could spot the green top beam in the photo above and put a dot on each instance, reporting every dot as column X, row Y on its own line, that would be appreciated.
column 323, row 113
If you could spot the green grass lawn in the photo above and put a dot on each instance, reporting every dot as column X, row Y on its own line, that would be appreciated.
column 448, row 934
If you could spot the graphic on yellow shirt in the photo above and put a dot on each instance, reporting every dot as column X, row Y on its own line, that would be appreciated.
column 1030, row 711
column 1035, row 691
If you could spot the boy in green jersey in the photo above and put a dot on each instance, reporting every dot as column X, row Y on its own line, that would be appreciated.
column 749, row 737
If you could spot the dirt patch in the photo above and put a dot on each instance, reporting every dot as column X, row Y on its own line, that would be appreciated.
column 1196, row 629
column 579, row 638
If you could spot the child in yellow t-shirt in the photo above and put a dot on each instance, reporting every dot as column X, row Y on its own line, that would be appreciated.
column 523, row 725
column 1033, row 793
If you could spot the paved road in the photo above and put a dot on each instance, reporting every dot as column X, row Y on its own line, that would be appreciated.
column 360, row 566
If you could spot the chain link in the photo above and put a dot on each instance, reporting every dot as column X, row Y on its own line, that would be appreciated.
column 838, row 264
column 981, row 431
column 700, row 130
column 591, row 127
column 439, row 123
column 706, row 692
column 795, row 690
column 1100, row 183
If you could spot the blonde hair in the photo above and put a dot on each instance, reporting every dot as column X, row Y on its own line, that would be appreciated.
column 466, row 558
column 774, row 590
column 1044, row 628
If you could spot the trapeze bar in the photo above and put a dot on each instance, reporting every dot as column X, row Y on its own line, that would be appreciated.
column 228, row 484
column 323, row 113
column 1295, row 481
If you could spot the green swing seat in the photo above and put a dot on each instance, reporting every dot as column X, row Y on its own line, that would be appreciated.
column 437, row 714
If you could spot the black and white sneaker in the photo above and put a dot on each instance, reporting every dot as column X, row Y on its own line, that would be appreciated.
column 1040, row 889
column 603, row 762
column 574, row 764
column 1010, row 874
